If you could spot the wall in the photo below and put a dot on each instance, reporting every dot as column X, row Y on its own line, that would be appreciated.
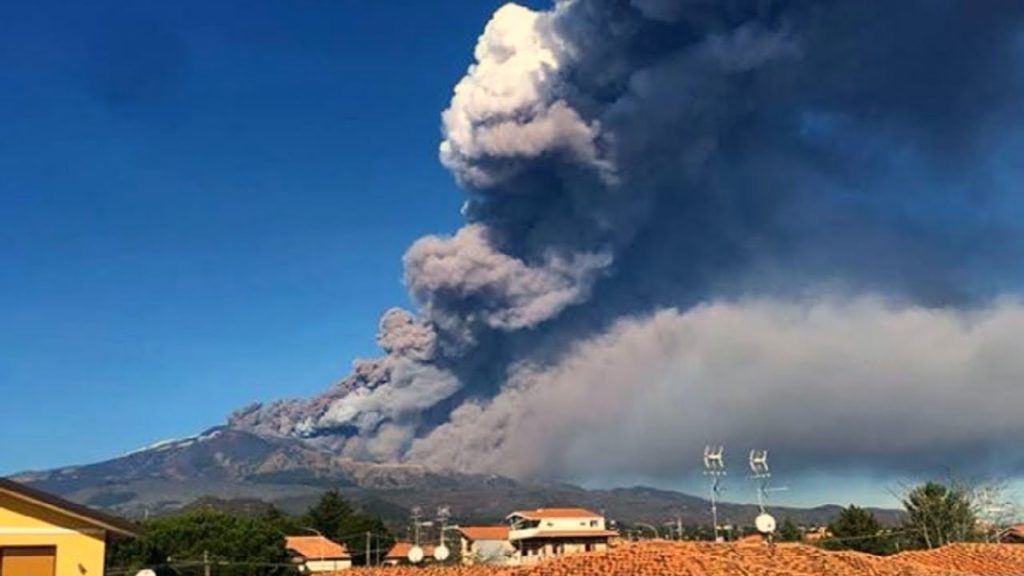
column 559, row 525
column 327, row 565
column 80, row 546
column 494, row 552
column 534, row 551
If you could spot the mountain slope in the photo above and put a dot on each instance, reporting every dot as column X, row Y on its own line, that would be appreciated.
column 225, row 464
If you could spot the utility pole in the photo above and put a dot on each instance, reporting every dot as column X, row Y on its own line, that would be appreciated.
column 368, row 563
column 206, row 562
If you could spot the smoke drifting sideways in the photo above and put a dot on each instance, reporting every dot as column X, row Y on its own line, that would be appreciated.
column 690, row 220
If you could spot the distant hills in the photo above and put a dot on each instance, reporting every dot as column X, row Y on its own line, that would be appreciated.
column 232, row 468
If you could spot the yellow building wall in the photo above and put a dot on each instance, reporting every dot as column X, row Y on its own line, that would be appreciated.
column 81, row 547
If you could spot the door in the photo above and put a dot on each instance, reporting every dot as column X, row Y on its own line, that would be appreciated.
column 34, row 561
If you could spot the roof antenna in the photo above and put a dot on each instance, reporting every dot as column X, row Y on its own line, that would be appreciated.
column 714, row 468
column 765, row 522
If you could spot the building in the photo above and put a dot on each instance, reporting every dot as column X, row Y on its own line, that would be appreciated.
column 1012, row 535
column 43, row 535
column 817, row 534
column 552, row 532
column 399, row 554
column 316, row 554
column 486, row 545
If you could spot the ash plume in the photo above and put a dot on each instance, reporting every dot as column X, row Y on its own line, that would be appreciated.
column 803, row 210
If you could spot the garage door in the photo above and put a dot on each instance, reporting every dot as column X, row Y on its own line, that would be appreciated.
column 36, row 561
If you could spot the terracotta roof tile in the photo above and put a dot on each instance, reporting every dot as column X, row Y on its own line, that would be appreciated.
column 709, row 559
column 401, row 550
column 485, row 532
column 315, row 547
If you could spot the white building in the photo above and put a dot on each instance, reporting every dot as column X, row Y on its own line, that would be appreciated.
column 486, row 545
column 316, row 554
column 545, row 533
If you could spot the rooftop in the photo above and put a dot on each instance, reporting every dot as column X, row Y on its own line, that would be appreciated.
column 401, row 550
column 314, row 547
column 545, row 513
column 485, row 532
column 112, row 524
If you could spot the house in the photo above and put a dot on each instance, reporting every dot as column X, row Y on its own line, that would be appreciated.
column 552, row 532
column 316, row 554
column 486, row 545
column 399, row 554
column 1012, row 535
column 817, row 534
column 43, row 535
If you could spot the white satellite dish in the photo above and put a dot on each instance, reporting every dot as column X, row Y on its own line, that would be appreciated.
column 765, row 523
column 146, row 572
column 415, row 555
column 441, row 553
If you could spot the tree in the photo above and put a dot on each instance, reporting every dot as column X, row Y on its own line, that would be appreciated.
column 857, row 529
column 330, row 514
column 790, row 532
column 336, row 519
column 938, row 514
column 234, row 545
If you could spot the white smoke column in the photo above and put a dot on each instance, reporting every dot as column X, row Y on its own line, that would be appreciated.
column 507, row 108
column 857, row 381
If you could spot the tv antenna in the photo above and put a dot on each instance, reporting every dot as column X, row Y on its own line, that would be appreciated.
column 765, row 522
column 441, row 552
column 714, row 468
column 415, row 555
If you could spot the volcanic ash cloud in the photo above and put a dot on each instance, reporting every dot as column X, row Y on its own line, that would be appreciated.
column 801, row 215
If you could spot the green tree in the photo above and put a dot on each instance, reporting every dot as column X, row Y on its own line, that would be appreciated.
column 790, row 532
column 337, row 519
column 857, row 529
column 938, row 514
column 234, row 545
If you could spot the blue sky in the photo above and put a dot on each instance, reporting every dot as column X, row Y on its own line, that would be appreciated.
column 206, row 204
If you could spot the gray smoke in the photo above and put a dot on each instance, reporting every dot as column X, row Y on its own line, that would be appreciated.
column 827, row 383
column 799, row 214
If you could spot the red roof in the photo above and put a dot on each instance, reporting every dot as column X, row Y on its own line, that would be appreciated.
column 1013, row 534
column 400, row 551
column 485, row 532
column 316, row 547
column 542, row 513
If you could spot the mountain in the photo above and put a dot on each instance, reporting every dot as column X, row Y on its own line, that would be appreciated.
column 238, row 469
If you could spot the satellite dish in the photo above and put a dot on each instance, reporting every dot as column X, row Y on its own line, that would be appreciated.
column 146, row 572
column 441, row 553
column 765, row 523
column 415, row 555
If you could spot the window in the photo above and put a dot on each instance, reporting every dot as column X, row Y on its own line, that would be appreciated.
column 28, row 561
column 593, row 523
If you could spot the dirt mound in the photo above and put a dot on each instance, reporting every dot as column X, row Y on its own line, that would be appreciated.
column 708, row 559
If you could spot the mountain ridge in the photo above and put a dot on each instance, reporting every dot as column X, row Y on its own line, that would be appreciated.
column 225, row 464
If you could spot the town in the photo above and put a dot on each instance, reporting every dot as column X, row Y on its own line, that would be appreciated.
column 45, row 534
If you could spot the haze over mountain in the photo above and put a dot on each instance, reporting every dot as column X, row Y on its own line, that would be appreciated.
column 235, row 469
